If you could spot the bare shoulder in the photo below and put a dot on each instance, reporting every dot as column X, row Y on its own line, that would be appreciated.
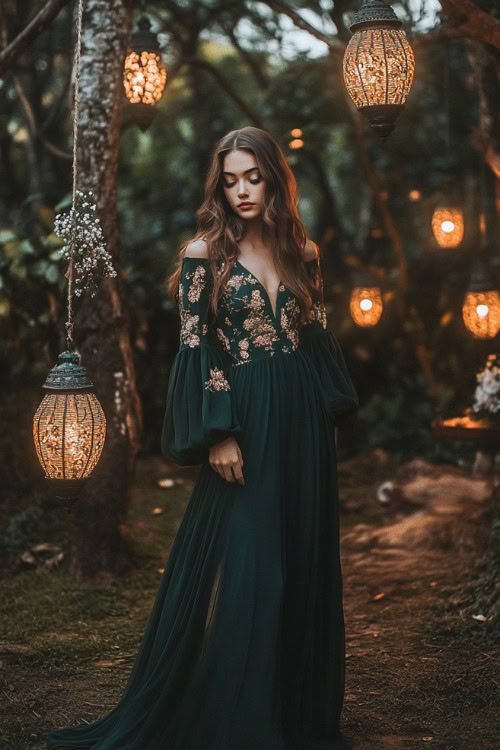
column 196, row 249
column 311, row 250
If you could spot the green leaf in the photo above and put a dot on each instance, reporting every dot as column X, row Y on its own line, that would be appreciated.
column 52, row 274
column 64, row 202
column 19, row 269
column 6, row 235
column 39, row 268
column 27, row 248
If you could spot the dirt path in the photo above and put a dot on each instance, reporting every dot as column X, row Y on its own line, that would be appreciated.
column 419, row 670
column 407, row 684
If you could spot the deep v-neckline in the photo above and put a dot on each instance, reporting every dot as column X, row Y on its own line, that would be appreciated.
column 274, row 312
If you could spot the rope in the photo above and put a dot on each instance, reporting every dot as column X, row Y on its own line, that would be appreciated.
column 76, row 116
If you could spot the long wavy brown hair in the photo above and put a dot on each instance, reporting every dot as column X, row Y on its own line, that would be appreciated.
column 222, row 229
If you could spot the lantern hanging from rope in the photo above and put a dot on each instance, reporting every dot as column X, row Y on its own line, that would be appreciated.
column 378, row 65
column 69, row 426
column 144, row 75
column 366, row 304
column 448, row 224
column 481, row 307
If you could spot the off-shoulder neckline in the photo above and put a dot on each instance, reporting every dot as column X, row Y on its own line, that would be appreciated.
column 192, row 257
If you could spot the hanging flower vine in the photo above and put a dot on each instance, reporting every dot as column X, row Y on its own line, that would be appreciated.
column 89, row 255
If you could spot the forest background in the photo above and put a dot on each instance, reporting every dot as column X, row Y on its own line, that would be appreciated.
column 367, row 204
column 420, row 516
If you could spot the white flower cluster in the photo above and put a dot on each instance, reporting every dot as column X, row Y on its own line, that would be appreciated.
column 487, row 393
column 90, row 257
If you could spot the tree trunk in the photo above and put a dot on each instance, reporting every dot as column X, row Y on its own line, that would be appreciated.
column 101, row 326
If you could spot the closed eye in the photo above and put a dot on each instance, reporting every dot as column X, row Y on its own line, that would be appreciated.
column 254, row 182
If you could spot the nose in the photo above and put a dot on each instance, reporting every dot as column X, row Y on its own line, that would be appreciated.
column 242, row 191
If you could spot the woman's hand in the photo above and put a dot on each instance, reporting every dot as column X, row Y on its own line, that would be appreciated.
column 226, row 459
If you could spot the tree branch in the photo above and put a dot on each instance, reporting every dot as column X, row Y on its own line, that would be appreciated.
column 251, row 60
column 35, row 133
column 334, row 43
column 241, row 103
column 472, row 21
column 25, row 38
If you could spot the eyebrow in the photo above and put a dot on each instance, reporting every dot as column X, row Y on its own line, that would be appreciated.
column 246, row 170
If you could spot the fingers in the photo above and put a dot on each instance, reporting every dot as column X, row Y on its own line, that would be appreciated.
column 226, row 459
column 231, row 472
column 238, row 473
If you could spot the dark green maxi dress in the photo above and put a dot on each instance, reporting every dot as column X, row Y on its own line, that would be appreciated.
column 244, row 647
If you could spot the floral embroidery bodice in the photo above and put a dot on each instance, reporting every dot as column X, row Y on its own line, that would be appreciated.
column 201, row 406
column 246, row 326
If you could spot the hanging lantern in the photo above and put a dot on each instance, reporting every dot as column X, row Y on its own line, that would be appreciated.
column 366, row 301
column 296, row 133
column 448, row 224
column 296, row 143
column 69, row 427
column 378, row 65
column 144, row 74
column 481, row 307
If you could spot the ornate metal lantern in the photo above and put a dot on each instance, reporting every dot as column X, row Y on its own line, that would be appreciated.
column 69, row 427
column 378, row 65
column 448, row 224
column 366, row 301
column 144, row 74
column 481, row 307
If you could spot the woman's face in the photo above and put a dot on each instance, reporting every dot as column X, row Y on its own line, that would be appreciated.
column 243, row 183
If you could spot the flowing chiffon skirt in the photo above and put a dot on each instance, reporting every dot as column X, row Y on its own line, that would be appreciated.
column 244, row 647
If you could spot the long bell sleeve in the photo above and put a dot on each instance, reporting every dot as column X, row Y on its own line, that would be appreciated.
column 322, row 347
column 199, row 406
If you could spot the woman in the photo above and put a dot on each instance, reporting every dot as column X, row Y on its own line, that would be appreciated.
column 244, row 647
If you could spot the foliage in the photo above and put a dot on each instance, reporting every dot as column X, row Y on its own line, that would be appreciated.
column 160, row 180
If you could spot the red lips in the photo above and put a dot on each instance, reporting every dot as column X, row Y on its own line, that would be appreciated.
column 246, row 203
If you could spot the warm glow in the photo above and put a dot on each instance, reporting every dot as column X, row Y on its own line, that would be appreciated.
column 296, row 132
column 378, row 67
column 144, row 77
column 69, row 430
column 366, row 305
column 414, row 195
column 481, row 313
column 448, row 226
column 297, row 143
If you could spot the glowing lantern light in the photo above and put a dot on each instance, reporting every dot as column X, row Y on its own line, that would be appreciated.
column 448, row 225
column 378, row 65
column 144, row 75
column 69, row 427
column 414, row 195
column 366, row 301
column 296, row 143
column 481, row 307
column 296, row 132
